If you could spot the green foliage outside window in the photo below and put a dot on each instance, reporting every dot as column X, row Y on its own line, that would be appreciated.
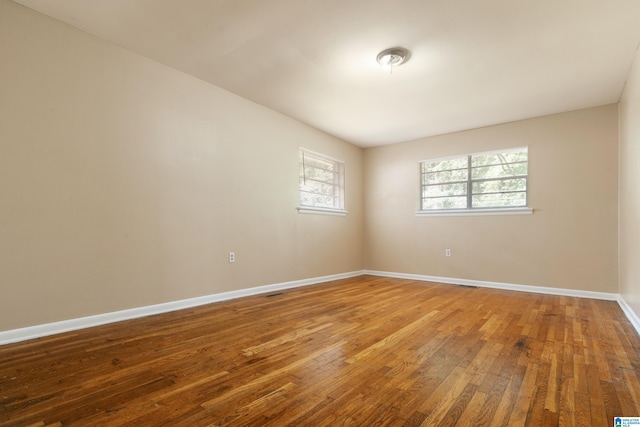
column 476, row 181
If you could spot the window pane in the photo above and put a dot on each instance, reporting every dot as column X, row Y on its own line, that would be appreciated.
column 444, row 176
column 498, row 179
column 317, row 187
column 499, row 170
column 316, row 200
column 319, row 174
column 445, row 203
column 321, row 181
column 444, row 190
column 499, row 186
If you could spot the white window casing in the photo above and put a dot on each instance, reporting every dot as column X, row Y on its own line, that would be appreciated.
column 321, row 184
column 494, row 182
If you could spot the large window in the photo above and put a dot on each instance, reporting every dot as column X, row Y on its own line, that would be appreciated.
column 321, row 182
column 490, row 180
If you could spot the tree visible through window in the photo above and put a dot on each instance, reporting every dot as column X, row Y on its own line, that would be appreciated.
column 496, row 179
column 321, row 181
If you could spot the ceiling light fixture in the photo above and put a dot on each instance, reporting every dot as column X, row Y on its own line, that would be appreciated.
column 393, row 57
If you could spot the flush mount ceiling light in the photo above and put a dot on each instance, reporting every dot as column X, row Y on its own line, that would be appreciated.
column 393, row 57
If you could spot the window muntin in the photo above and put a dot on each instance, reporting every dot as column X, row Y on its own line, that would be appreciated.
column 475, row 181
column 321, row 181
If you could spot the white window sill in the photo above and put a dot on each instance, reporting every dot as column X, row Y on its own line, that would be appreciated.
column 473, row 212
column 321, row 211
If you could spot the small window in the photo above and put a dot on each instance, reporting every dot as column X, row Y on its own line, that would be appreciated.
column 491, row 180
column 321, row 183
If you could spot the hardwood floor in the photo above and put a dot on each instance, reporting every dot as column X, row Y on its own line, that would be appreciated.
column 365, row 351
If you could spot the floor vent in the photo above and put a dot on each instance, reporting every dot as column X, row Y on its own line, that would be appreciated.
column 467, row 286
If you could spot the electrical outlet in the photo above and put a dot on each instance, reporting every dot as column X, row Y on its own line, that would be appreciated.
column 447, row 252
column 232, row 257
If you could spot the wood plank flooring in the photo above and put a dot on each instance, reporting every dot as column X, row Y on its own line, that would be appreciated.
column 367, row 351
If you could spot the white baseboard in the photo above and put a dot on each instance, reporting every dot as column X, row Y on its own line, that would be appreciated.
column 499, row 285
column 47, row 329
column 631, row 315
column 23, row 334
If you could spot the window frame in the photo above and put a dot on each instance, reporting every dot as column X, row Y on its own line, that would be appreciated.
column 469, row 181
column 338, row 185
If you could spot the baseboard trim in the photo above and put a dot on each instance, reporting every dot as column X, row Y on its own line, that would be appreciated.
column 626, row 309
column 39, row 331
column 499, row 285
column 631, row 315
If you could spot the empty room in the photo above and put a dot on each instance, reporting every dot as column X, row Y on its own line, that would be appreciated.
column 319, row 213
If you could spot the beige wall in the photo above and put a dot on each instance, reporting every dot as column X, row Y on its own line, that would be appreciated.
column 630, row 189
column 124, row 183
column 570, row 241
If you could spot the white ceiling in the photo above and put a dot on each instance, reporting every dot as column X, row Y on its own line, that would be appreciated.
column 474, row 62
